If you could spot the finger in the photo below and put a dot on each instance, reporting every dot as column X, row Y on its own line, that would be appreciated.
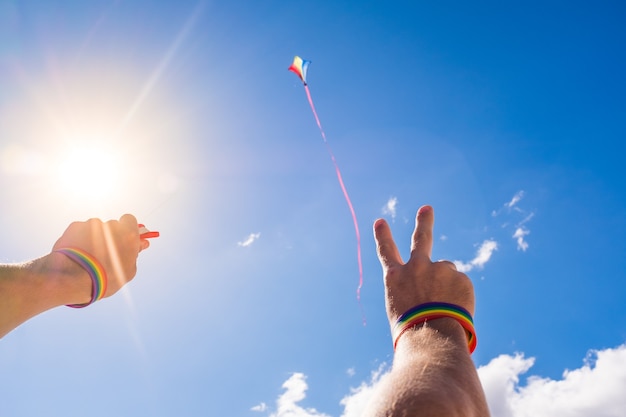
column 422, row 243
column 129, row 221
column 449, row 264
column 386, row 248
column 93, row 223
column 96, row 228
column 145, row 244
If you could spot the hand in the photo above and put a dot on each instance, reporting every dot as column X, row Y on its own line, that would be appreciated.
column 432, row 373
column 420, row 280
column 115, row 244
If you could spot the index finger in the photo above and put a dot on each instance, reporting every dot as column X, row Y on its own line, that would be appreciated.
column 422, row 243
column 388, row 253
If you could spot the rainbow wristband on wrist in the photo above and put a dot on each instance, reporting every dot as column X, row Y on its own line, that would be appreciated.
column 431, row 311
column 94, row 269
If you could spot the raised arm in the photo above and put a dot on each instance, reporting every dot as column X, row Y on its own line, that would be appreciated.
column 432, row 373
column 89, row 257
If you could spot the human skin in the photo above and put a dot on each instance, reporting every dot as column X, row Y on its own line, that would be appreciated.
column 30, row 288
column 432, row 372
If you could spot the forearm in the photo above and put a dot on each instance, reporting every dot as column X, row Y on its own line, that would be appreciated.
column 432, row 375
column 106, row 260
column 33, row 287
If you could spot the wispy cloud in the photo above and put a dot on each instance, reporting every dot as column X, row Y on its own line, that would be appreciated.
column 252, row 237
column 260, row 408
column 516, row 199
column 510, row 205
column 483, row 255
column 519, row 234
column 527, row 218
column 520, row 230
column 594, row 389
column 389, row 209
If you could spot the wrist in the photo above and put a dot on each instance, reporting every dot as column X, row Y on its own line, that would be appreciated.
column 66, row 282
column 447, row 330
column 94, row 269
column 30, row 288
column 420, row 315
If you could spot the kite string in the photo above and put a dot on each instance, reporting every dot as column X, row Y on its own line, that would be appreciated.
column 346, row 196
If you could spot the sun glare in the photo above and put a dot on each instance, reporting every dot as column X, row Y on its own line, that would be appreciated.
column 89, row 172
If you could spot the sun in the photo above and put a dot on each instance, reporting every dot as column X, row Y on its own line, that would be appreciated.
column 89, row 172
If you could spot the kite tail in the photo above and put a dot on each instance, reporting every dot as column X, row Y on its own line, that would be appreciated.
column 346, row 196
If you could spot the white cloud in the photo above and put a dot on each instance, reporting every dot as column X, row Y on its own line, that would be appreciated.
column 463, row 267
column 510, row 205
column 520, row 231
column 526, row 219
column 287, row 403
column 355, row 403
column 500, row 379
column 260, row 408
column 390, row 207
column 483, row 255
column 516, row 198
column 519, row 234
column 596, row 389
column 252, row 237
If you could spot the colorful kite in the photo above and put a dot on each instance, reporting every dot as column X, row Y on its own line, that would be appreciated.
column 299, row 67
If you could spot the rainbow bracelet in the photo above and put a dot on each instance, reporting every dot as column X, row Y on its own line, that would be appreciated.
column 431, row 311
column 94, row 269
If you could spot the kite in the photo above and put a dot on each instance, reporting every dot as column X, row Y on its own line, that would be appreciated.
column 300, row 67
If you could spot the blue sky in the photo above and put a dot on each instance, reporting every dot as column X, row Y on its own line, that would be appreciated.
column 507, row 118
